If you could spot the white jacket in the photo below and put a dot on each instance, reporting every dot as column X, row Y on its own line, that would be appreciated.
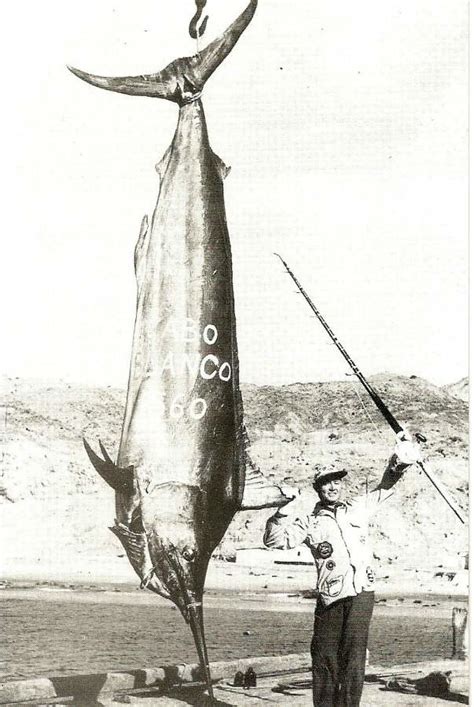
column 338, row 540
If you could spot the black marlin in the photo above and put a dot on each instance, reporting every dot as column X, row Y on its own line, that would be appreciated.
column 180, row 475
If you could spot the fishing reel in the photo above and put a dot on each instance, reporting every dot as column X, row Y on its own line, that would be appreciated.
column 404, row 435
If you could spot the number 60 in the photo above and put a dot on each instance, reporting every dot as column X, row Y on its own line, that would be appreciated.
column 196, row 409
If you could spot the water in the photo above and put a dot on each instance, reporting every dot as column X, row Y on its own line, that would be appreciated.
column 58, row 636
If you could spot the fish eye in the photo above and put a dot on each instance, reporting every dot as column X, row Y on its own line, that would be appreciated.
column 188, row 553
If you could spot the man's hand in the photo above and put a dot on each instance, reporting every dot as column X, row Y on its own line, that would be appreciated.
column 302, row 503
column 290, row 492
column 406, row 453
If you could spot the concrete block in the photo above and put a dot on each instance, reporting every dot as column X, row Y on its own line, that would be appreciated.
column 23, row 690
column 149, row 677
column 459, row 685
column 92, row 686
column 263, row 664
column 100, row 685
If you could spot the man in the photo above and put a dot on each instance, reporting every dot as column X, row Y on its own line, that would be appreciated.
column 337, row 534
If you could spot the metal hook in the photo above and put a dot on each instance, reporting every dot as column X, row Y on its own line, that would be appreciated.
column 193, row 25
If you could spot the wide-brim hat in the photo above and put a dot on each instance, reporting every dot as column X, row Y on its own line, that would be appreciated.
column 324, row 474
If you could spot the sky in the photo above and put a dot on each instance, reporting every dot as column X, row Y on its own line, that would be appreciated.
column 345, row 125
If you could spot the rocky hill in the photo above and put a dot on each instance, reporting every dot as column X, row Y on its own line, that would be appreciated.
column 56, row 508
column 459, row 390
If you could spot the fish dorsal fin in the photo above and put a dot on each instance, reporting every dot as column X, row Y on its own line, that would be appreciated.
column 222, row 169
column 258, row 491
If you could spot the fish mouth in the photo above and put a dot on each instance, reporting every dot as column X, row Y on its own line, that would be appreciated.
column 196, row 621
column 182, row 572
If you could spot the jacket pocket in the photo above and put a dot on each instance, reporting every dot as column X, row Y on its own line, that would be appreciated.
column 332, row 587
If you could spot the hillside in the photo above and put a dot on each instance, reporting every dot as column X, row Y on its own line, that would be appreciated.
column 459, row 390
column 55, row 508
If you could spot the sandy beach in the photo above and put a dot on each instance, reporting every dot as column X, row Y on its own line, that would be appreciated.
column 432, row 605
column 225, row 577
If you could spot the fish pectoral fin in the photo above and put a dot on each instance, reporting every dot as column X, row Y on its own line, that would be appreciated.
column 162, row 165
column 119, row 479
column 222, row 169
column 136, row 547
column 259, row 492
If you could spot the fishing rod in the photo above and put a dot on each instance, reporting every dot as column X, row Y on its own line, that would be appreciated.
column 389, row 417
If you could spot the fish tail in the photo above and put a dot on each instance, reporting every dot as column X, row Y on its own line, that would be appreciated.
column 183, row 80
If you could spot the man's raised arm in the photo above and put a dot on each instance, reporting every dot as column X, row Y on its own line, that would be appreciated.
column 405, row 454
column 288, row 527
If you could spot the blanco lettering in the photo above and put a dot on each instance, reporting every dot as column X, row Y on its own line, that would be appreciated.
column 191, row 363
column 202, row 368
column 225, row 372
column 168, row 365
column 210, row 334
column 191, row 331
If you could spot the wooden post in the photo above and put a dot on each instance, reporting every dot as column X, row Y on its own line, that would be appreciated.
column 460, row 634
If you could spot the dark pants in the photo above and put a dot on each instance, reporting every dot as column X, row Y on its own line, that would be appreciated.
column 338, row 650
